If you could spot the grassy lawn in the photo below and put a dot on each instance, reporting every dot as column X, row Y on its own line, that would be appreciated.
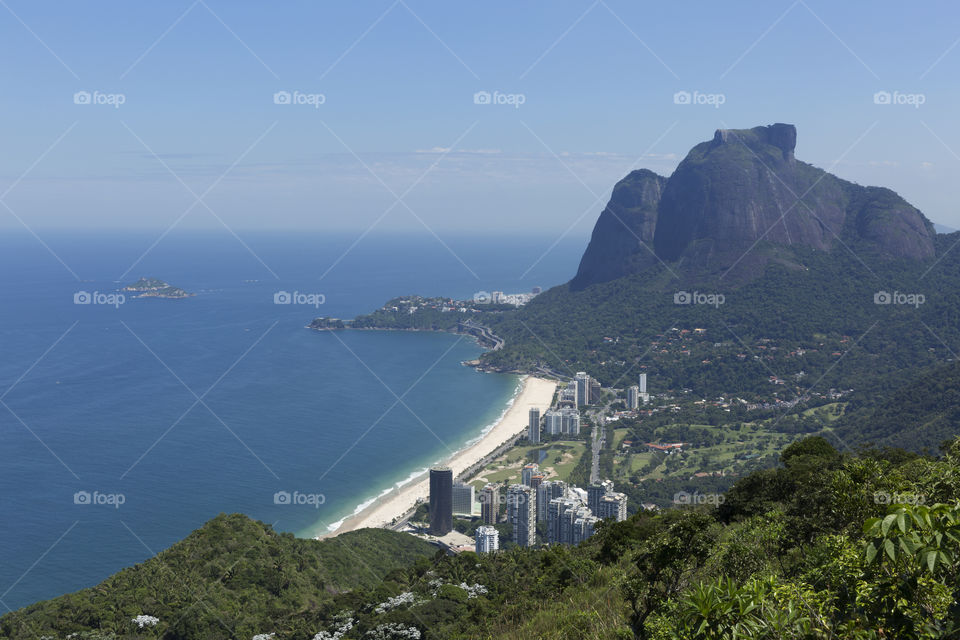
column 828, row 413
column 618, row 437
column 753, row 438
column 507, row 467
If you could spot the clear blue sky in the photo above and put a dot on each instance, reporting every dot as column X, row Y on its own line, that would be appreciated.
column 398, row 79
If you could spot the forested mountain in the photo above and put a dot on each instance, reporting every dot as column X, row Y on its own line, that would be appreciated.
column 909, row 411
column 777, row 270
column 829, row 321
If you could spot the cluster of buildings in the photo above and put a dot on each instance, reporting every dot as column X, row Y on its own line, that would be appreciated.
column 638, row 393
column 579, row 392
column 572, row 516
column 565, row 418
column 582, row 391
column 412, row 304
column 562, row 421
column 570, row 513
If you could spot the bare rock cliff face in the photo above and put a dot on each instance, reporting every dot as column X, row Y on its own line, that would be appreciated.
column 739, row 201
column 623, row 237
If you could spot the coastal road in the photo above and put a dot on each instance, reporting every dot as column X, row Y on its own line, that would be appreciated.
column 597, row 442
column 402, row 521
column 483, row 333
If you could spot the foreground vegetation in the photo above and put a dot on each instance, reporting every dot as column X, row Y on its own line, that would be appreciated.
column 826, row 545
column 227, row 579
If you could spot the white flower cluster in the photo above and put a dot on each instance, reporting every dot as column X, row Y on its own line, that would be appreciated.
column 473, row 590
column 407, row 597
column 341, row 631
column 393, row 631
column 435, row 584
column 264, row 636
column 145, row 621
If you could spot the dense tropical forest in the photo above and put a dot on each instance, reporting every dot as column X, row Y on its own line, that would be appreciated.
column 795, row 319
column 913, row 410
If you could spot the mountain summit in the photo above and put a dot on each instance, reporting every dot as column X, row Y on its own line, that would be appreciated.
column 740, row 201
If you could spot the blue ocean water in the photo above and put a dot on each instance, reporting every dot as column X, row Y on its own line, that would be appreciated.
column 123, row 428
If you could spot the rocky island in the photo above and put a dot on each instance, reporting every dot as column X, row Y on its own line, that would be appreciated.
column 155, row 288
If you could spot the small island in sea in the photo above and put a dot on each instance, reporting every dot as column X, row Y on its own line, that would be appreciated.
column 155, row 288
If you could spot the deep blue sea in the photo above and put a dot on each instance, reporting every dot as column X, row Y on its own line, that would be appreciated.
column 123, row 428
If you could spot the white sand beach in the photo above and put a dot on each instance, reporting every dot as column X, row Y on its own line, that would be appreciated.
column 536, row 392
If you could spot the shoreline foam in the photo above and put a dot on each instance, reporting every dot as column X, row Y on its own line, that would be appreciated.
column 332, row 528
column 394, row 501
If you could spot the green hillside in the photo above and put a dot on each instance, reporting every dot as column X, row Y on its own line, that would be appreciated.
column 909, row 411
column 819, row 320
column 227, row 579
